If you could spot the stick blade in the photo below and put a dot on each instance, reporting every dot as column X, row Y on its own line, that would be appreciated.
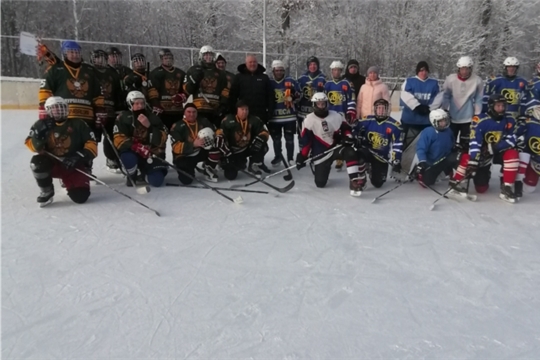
column 432, row 207
column 238, row 200
column 374, row 200
column 143, row 190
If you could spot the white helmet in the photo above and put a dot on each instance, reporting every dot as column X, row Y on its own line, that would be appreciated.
column 465, row 61
column 132, row 96
column 278, row 64
column 436, row 117
column 336, row 65
column 207, row 135
column 511, row 61
column 319, row 96
column 206, row 49
column 56, row 107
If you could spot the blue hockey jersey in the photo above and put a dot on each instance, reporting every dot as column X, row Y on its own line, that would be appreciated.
column 530, row 133
column 434, row 146
column 340, row 96
column 514, row 90
column 485, row 131
column 533, row 90
column 385, row 138
column 309, row 86
column 286, row 92
column 414, row 92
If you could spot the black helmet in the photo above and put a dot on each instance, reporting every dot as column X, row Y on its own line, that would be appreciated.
column 384, row 103
column 313, row 59
column 494, row 99
column 138, row 62
column 169, row 60
column 98, row 58
column 114, row 51
column 163, row 52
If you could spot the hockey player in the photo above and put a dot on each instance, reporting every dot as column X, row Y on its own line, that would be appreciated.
column 138, row 79
column 511, row 86
column 528, row 142
column 240, row 137
column 434, row 149
column 221, row 64
column 462, row 97
column 193, row 141
column 322, row 130
column 168, row 98
column 77, row 84
column 311, row 82
column 139, row 134
column 380, row 139
column 534, row 87
column 114, row 58
column 355, row 79
column 373, row 90
column 68, row 138
column 209, row 87
column 340, row 93
column 492, row 138
column 417, row 94
column 283, row 121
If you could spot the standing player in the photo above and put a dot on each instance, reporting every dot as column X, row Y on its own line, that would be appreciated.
column 380, row 138
column 114, row 58
column 221, row 64
column 68, row 138
column 311, row 82
column 168, row 98
column 139, row 134
column 137, row 80
column 340, row 93
column 283, row 121
column 492, row 139
column 321, row 131
column 462, row 97
column 434, row 149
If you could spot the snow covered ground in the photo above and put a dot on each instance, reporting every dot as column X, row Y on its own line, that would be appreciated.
column 310, row 274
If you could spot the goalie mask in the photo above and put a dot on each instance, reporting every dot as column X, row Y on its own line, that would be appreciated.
column 207, row 136
column 57, row 108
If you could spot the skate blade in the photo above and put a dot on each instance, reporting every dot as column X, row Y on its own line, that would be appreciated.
column 508, row 200
column 46, row 203
column 355, row 193
column 142, row 190
column 238, row 200
column 114, row 171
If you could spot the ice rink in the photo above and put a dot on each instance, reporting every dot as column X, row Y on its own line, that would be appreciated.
column 310, row 274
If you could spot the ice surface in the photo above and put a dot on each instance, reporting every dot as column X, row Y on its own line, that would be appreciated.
column 311, row 274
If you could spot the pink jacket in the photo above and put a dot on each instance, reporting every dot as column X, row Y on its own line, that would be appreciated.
column 370, row 92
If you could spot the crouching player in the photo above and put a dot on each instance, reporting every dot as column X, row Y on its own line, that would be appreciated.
column 528, row 143
column 70, row 139
column 138, row 135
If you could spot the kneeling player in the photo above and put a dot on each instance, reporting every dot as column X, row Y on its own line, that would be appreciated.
column 380, row 139
column 529, row 157
column 192, row 142
column 139, row 134
column 70, row 139
column 242, row 136
column 434, row 149
column 492, row 139
column 321, row 131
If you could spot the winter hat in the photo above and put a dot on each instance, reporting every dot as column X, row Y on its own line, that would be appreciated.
column 241, row 103
column 353, row 62
column 190, row 105
column 374, row 69
column 220, row 57
column 422, row 65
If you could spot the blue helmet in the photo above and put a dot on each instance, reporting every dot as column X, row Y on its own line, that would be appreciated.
column 70, row 45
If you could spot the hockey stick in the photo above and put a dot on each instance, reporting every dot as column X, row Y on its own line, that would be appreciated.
column 289, row 176
column 443, row 195
column 141, row 189
column 218, row 188
column 103, row 183
column 237, row 200
column 278, row 189
column 313, row 158
column 410, row 179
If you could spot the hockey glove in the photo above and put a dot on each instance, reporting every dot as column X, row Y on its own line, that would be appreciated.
column 348, row 140
column 472, row 166
column 420, row 168
column 179, row 99
column 257, row 144
column 396, row 167
column 221, row 145
column 351, row 116
column 42, row 113
column 422, row 110
column 101, row 118
column 520, row 143
column 157, row 109
column 300, row 161
column 196, row 77
column 141, row 150
column 71, row 162
column 41, row 129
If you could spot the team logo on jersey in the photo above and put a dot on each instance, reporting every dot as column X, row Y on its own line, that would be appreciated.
column 106, row 88
column 59, row 144
column 511, row 96
column 377, row 141
column 308, row 92
column 209, row 85
column 336, row 97
column 242, row 139
column 77, row 87
column 172, row 86
column 280, row 96
column 492, row 137
column 140, row 133
column 534, row 144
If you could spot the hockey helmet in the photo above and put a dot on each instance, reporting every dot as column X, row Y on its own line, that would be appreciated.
column 207, row 49
column 511, row 61
column 98, row 58
column 465, row 61
column 313, row 59
column 132, row 96
column 166, row 57
column 207, row 135
column 114, row 56
column 381, row 109
column 71, row 50
column 57, row 108
column 319, row 101
column 278, row 64
column 138, row 61
column 439, row 119
column 493, row 100
column 336, row 65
